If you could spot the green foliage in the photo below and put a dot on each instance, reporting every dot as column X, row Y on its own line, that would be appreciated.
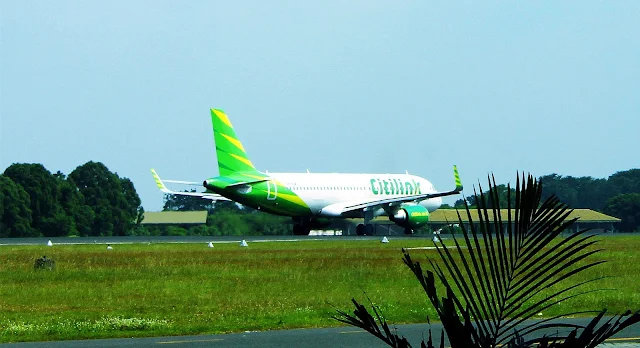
column 587, row 192
column 91, row 201
column 625, row 206
column 508, row 272
column 175, row 231
column 186, row 203
column 504, row 194
column 113, row 200
column 15, row 211
column 627, row 181
column 48, row 216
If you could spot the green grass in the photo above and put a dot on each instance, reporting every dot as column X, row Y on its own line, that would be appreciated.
column 171, row 289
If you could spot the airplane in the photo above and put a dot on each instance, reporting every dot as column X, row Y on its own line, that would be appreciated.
column 312, row 200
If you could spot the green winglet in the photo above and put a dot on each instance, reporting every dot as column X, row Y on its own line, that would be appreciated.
column 157, row 179
column 457, row 177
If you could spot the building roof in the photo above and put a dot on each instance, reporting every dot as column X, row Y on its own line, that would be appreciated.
column 174, row 217
column 448, row 216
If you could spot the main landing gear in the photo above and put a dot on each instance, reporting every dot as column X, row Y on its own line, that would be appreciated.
column 301, row 226
column 301, row 229
column 364, row 230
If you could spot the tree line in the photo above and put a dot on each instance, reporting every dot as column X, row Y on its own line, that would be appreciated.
column 618, row 195
column 224, row 218
column 93, row 201
column 90, row 201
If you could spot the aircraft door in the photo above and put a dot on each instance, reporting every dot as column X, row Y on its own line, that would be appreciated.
column 272, row 190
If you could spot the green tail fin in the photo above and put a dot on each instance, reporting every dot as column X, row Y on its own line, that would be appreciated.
column 231, row 155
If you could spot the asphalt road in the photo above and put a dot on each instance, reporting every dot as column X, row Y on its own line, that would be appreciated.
column 216, row 239
column 312, row 338
column 185, row 239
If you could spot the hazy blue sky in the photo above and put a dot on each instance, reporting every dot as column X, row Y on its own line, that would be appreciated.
column 359, row 86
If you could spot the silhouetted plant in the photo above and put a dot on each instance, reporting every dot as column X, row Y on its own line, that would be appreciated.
column 506, row 274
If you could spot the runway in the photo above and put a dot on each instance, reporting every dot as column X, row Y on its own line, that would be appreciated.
column 187, row 239
column 312, row 338
column 218, row 239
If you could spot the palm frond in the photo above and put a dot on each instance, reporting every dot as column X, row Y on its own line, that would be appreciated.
column 508, row 272
column 363, row 319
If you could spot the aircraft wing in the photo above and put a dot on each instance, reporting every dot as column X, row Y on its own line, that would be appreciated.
column 205, row 195
column 344, row 207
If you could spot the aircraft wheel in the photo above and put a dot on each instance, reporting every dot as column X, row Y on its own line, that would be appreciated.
column 360, row 230
column 408, row 231
column 369, row 229
column 297, row 230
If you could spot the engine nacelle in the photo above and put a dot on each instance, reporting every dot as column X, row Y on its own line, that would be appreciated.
column 410, row 216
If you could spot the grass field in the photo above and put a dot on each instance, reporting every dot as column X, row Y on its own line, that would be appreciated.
column 175, row 289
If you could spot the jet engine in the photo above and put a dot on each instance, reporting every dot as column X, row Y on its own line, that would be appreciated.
column 410, row 216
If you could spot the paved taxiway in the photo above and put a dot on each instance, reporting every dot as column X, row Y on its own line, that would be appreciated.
column 312, row 338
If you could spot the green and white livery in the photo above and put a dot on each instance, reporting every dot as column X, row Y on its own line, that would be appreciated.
column 311, row 199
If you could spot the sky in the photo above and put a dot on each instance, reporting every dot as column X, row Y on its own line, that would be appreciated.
column 360, row 86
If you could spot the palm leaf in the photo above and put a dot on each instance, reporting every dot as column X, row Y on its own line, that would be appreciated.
column 507, row 272
column 503, row 276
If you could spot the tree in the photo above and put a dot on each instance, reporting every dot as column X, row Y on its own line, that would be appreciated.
column 625, row 206
column 506, row 273
column 503, row 193
column 587, row 192
column 627, row 181
column 186, row 203
column 113, row 201
column 15, row 212
column 460, row 204
column 48, row 216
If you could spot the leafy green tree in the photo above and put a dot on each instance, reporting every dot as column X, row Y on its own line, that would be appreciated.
column 229, row 224
column 48, row 216
column 267, row 224
column 15, row 212
column 113, row 201
column 460, row 204
column 186, row 203
column 231, row 207
column 625, row 206
column 130, row 200
column 577, row 192
column 503, row 193
column 627, row 181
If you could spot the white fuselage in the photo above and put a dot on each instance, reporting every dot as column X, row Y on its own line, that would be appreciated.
column 319, row 190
